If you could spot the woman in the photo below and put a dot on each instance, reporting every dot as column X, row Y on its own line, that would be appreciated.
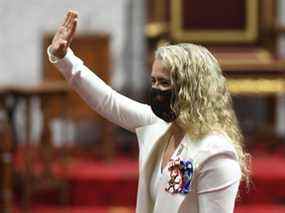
column 190, row 157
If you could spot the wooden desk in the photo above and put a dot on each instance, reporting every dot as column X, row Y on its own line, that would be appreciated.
column 10, row 97
column 5, row 160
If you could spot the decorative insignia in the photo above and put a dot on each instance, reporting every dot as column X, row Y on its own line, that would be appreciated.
column 181, row 173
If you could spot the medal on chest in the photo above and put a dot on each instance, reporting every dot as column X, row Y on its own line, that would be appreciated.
column 180, row 176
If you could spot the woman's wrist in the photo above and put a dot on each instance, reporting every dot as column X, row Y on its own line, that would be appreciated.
column 52, row 57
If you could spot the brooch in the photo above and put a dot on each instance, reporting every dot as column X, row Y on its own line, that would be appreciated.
column 181, row 173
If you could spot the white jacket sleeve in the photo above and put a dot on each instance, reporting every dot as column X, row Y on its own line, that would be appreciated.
column 107, row 102
column 218, row 185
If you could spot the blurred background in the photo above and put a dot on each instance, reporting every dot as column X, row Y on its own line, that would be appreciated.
column 57, row 155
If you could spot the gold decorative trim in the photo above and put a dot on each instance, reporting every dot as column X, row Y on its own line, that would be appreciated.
column 247, row 35
column 155, row 29
column 256, row 86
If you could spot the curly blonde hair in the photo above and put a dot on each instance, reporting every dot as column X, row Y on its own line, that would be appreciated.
column 203, row 101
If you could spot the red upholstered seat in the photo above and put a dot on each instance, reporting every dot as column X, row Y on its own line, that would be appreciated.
column 82, row 209
column 97, row 183
column 260, row 208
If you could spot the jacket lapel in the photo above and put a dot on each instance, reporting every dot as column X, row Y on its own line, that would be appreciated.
column 167, row 202
column 150, row 146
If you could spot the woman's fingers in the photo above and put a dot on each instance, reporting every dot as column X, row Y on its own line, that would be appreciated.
column 65, row 34
column 74, row 14
column 65, row 20
column 73, row 27
column 71, row 16
column 68, row 20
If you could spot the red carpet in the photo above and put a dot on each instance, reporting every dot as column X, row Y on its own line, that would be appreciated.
column 94, row 183
column 260, row 208
column 56, row 209
column 103, row 184
column 268, row 181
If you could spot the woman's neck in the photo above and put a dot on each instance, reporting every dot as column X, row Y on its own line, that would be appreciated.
column 177, row 133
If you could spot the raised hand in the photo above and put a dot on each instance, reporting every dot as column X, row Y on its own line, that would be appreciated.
column 64, row 35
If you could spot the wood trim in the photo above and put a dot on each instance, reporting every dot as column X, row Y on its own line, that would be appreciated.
column 280, row 29
column 160, row 10
column 155, row 29
column 268, row 14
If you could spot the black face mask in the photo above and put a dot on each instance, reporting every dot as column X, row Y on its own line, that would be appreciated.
column 160, row 101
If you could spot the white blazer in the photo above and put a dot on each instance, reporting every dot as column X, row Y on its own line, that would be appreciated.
column 217, row 173
column 220, row 189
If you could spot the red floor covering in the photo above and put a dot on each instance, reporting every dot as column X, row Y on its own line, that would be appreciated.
column 260, row 208
column 93, row 183
column 84, row 209
column 102, row 184
column 268, row 181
